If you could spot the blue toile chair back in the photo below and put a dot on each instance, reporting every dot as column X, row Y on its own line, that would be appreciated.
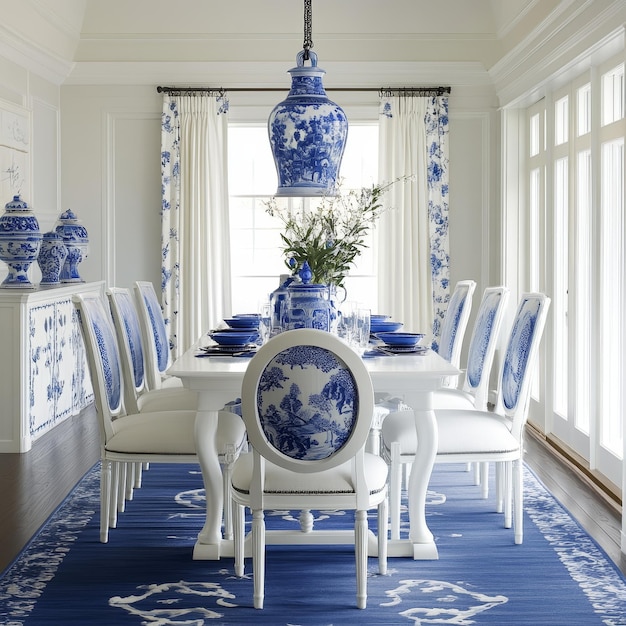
column 156, row 341
column 483, row 343
column 455, row 321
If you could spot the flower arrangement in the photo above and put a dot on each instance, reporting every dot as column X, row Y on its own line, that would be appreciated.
column 332, row 235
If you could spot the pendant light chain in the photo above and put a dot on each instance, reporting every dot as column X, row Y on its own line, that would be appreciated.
column 308, row 37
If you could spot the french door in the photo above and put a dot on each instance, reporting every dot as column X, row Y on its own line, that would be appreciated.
column 574, row 250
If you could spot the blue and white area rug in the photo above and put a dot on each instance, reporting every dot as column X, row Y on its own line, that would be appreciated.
column 145, row 575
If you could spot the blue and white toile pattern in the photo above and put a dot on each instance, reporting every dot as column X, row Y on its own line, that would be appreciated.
column 159, row 331
column 437, row 130
column 170, row 207
column 517, row 353
column 413, row 239
column 480, row 338
column 449, row 330
column 195, row 256
column 307, row 402
column 107, row 346
column 132, row 330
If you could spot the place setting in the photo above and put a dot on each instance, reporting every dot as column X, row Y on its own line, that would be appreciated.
column 387, row 338
column 238, row 338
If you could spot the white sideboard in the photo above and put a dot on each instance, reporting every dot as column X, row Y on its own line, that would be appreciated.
column 44, row 376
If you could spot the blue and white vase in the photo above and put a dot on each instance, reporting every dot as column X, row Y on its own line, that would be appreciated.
column 309, row 305
column 51, row 259
column 76, row 241
column 20, row 240
column 307, row 135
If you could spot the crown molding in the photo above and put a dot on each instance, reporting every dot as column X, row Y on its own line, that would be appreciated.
column 234, row 74
column 32, row 57
column 537, row 60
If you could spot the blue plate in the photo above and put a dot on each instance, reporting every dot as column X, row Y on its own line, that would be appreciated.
column 243, row 321
column 400, row 339
column 230, row 338
column 248, row 329
column 379, row 326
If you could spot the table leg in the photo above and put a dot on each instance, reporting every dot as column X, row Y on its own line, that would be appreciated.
column 421, row 541
column 210, row 537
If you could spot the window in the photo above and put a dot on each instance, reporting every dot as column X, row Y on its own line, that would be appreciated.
column 584, row 109
column 613, row 95
column 561, row 121
column 256, row 257
column 574, row 249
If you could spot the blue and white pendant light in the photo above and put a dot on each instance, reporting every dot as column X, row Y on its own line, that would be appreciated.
column 307, row 131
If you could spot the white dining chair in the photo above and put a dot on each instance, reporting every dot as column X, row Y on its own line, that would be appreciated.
column 132, row 438
column 467, row 435
column 137, row 396
column 449, row 347
column 307, row 402
column 231, row 432
column 155, row 339
column 473, row 394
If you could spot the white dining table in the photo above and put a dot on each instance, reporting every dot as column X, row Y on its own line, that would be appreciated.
column 411, row 377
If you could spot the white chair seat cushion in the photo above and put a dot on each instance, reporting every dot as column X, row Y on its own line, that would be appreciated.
column 475, row 432
column 337, row 480
column 169, row 399
column 171, row 432
column 448, row 398
column 460, row 432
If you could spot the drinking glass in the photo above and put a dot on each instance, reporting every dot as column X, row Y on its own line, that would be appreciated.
column 361, row 330
column 265, row 322
column 346, row 321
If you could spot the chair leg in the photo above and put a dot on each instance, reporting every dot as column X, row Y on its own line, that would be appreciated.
column 121, row 486
column 258, row 556
column 483, row 469
column 360, row 548
column 113, row 494
column 239, row 537
column 499, row 487
column 518, row 506
column 406, row 475
column 227, row 469
column 382, row 536
column 130, row 480
column 105, row 500
column 508, row 495
column 395, row 489
column 138, row 475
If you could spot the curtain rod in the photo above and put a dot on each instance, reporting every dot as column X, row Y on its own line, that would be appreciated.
column 382, row 91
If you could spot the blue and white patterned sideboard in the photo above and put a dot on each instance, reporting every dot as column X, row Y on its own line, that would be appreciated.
column 44, row 375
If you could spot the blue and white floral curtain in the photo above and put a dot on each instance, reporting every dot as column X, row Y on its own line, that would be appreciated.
column 195, row 277
column 413, row 246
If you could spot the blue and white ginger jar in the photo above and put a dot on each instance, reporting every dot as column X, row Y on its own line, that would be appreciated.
column 307, row 135
column 51, row 259
column 76, row 241
column 20, row 240
column 309, row 305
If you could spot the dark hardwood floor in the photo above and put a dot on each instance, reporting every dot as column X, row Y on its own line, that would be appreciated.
column 33, row 484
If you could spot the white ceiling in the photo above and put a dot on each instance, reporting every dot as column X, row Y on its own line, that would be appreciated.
column 247, row 41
